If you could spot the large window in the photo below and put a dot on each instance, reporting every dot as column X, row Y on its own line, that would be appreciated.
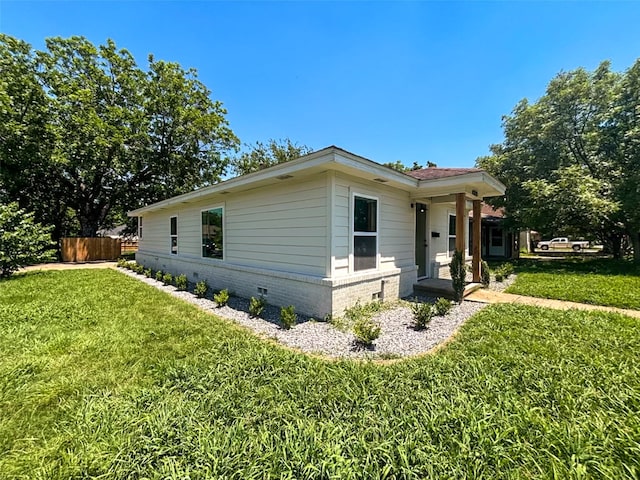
column 452, row 235
column 174, row 235
column 212, row 233
column 365, row 233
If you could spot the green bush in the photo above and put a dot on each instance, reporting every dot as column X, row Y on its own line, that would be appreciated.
column 147, row 273
column 221, row 298
column 201, row 289
column 159, row 275
column 138, row 268
column 499, row 277
column 458, row 275
column 22, row 241
column 441, row 307
column 181, row 282
column 256, row 306
column 422, row 315
column 485, row 273
column 288, row 317
column 121, row 263
column 167, row 279
column 366, row 331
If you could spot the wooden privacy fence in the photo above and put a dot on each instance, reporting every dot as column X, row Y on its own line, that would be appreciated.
column 79, row 249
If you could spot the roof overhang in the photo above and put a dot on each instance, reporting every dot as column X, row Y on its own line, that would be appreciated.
column 336, row 159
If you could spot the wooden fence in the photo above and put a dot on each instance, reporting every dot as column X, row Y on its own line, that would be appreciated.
column 80, row 249
column 129, row 246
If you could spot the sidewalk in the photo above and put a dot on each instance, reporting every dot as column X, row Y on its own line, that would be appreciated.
column 488, row 296
column 68, row 266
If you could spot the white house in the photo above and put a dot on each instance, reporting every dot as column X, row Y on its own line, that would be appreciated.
column 319, row 232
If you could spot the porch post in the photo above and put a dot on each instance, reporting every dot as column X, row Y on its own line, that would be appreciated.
column 476, row 254
column 461, row 222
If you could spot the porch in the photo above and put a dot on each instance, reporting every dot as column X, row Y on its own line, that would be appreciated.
column 436, row 287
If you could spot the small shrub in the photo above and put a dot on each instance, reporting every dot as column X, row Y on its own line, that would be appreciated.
column 201, row 289
column 138, row 268
column 159, row 275
column 288, row 317
column 181, row 282
column 441, row 307
column 121, row 263
column 366, row 331
column 422, row 315
column 221, row 298
column 147, row 273
column 458, row 274
column 167, row 278
column 499, row 277
column 256, row 306
column 485, row 274
column 507, row 269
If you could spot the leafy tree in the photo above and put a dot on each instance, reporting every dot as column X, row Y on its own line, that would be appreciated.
column 261, row 156
column 22, row 241
column 101, row 135
column 401, row 167
column 570, row 160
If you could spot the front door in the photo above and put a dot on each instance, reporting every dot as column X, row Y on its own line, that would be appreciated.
column 421, row 240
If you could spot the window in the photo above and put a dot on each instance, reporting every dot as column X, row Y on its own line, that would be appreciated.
column 139, row 228
column 452, row 234
column 174, row 235
column 365, row 233
column 212, row 233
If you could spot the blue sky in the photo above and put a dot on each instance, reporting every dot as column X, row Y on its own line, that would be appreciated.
column 408, row 81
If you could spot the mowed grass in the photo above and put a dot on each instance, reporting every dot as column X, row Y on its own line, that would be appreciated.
column 596, row 282
column 103, row 376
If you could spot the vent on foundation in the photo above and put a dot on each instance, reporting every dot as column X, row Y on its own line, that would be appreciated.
column 195, row 274
column 262, row 291
column 376, row 296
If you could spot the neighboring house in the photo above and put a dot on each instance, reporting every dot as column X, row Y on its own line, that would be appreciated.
column 320, row 232
column 496, row 240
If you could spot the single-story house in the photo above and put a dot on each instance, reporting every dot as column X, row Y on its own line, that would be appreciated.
column 320, row 232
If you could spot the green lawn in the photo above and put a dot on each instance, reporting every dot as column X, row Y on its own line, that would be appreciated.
column 103, row 376
column 598, row 282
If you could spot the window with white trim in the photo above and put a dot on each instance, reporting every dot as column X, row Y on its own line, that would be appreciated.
column 452, row 234
column 365, row 233
column 174, row 235
column 213, row 233
column 139, row 228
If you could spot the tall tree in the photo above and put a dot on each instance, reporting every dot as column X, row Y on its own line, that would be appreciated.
column 103, row 135
column 260, row 156
column 567, row 160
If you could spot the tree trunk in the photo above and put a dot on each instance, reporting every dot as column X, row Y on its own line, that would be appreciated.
column 635, row 243
column 88, row 227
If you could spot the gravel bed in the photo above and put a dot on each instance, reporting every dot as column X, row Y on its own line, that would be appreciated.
column 397, row 338
column 502, row 286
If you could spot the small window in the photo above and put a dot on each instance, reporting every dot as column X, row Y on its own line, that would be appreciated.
column 212, row 233
column 139, row 228
column 452, row 235
column 174, row 235
column 365, row 233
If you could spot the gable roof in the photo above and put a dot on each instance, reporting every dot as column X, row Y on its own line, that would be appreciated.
column 340, row 160
column 488, row 212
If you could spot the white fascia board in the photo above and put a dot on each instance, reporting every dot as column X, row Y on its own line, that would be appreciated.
column 332, row 157
column 490, row 187
column 294, row 166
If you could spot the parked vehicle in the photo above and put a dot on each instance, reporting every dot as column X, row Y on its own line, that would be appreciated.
column 563, row 242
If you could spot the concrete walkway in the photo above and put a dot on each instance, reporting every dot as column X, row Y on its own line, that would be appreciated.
column 489, row 296
column 68, row 266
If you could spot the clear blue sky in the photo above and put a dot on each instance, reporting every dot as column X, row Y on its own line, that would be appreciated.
column 409, row 81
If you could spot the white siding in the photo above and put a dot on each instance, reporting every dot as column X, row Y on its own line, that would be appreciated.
column 439, row 222
column 280, row 227
column 395, row 230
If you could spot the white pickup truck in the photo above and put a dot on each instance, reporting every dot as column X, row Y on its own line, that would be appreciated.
column 562, row 242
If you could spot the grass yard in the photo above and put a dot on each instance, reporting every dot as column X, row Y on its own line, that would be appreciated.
column 593, row 281
column 103, row 376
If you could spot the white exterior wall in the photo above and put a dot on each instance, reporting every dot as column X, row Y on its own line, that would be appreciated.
column 438, row 221
column 293, row 239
